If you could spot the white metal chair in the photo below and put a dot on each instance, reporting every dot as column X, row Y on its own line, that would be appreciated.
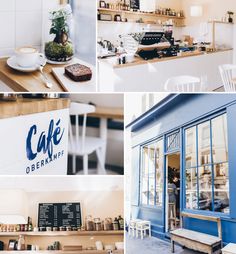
column 79, row 143
column 183, row 84
column 226, row 72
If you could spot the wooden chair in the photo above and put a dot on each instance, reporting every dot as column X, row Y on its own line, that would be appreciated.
column 132, row 227
column 142, row 227
column 195, row 240
column 226, row 72
column 79, row 143
column 183, row 84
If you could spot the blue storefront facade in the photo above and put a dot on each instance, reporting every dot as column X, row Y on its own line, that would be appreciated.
column 191, row 138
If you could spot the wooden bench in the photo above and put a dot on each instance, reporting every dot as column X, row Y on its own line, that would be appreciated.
column 195, row 240
column 229, row 249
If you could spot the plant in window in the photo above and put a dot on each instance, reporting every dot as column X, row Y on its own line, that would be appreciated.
column 61, row 48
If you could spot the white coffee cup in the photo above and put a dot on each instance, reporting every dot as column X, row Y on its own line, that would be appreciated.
column 27, row 56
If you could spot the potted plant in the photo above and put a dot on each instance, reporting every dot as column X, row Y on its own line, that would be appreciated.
column 60, row 49
column 230, row 19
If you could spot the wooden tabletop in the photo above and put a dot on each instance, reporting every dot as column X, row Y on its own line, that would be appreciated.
column 24, row 106
column 108, row 112
column 30, row 82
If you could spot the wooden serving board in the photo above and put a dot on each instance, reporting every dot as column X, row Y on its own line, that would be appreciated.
column 71, row 86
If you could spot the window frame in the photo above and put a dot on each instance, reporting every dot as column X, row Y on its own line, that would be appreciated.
column 197, row 166
column 152, row 141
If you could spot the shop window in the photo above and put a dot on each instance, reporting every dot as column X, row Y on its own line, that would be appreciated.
column 206, row 166
column 152, row 174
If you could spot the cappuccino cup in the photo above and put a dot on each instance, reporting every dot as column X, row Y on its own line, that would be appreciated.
column 27, row 56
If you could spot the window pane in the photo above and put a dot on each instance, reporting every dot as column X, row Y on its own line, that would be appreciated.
column 190, row 147
column 144, row 187
column 159, row 172
column 221, row 188
column 205, row 188
column 219, row 139
column 191, row 188
column 151, row 174
column 204, row 152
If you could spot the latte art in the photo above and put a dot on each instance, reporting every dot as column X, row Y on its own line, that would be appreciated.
column 27, row 50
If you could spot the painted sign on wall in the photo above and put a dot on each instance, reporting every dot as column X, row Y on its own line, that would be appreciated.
column 34, row 144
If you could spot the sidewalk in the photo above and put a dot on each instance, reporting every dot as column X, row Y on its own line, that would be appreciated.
column 152, row 246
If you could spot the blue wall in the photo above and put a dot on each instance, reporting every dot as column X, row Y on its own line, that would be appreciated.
column 178, row 114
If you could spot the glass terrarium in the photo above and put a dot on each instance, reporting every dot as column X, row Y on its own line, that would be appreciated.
column 60, row 49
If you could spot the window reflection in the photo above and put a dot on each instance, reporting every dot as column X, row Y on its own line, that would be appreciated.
column 191, row 188
column 152, row 174
column 221, row 188
column 190, row 153
column 219, row 139
column 205, row 188
column 204, row 143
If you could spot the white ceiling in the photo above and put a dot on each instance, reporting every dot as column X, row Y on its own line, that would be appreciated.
column 62, row 183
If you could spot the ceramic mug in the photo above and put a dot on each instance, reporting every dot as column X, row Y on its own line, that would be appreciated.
column 27, row 56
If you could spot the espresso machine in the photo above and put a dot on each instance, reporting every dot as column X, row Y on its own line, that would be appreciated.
column 157, row 45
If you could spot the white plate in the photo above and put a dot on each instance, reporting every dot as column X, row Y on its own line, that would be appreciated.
column 11, row 62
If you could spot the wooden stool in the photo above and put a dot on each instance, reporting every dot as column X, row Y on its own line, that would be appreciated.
column 132, row 227
column 142, row 227
column 172, row 215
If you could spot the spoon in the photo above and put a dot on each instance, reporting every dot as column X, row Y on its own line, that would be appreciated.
column 46, row 80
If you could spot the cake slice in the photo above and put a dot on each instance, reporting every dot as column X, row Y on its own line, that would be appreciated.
column 78, row 72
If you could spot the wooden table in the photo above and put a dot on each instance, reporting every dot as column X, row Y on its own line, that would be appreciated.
column 29, row 82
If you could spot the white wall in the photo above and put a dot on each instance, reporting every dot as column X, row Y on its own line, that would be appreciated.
column 22, row 23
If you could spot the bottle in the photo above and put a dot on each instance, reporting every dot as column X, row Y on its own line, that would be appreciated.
column 30, row 225
column 21, row 243
column 121, row 223
column 115, row 224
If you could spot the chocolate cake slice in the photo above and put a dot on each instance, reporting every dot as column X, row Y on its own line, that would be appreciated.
column 78, row 72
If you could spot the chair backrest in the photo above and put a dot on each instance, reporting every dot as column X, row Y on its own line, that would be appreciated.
column 183, row 84
column 226, row 73
column 76, row 110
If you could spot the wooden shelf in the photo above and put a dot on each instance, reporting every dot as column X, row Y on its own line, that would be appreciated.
column 64, row 233
column 140, row 13
column 63, row 252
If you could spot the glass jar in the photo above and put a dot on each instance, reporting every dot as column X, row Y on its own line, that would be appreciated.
column 89, row 224
column 98, row 224
column 60, row 48
column 108, row 224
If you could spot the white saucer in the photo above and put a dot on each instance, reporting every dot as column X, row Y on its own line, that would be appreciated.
column 59, row 63
column 11, row 62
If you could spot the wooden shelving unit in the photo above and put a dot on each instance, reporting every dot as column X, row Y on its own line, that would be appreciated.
column 137, row 13
column 148, row 18
column 64, row 252
column 63, row 233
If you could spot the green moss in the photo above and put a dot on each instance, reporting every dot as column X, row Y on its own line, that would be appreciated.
column 59, row 52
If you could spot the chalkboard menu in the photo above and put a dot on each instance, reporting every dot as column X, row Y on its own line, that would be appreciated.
column 59, row 214
column 135, row 4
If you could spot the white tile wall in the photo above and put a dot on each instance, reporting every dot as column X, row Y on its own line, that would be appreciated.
column 25, row 22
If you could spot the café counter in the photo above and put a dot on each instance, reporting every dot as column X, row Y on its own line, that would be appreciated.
column 151, row 75
column 34, row 136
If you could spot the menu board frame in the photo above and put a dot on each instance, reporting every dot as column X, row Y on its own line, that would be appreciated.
column 135, row 4
column 57, row 204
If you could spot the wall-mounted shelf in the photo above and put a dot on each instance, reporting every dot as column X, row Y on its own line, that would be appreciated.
column 147, row 18
column 137, row 13
column 64, row 233
column 63, row 252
